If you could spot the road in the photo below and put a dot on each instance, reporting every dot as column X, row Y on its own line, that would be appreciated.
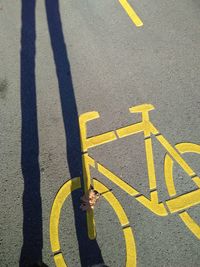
column 60, row 59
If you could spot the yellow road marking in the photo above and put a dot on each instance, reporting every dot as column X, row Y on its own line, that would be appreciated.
column 150, row 164
column 62, row 195
column 100, row 139
column 112, row 201
column 83, row 119
column 118, row 181
column 59, row 200
column 88, row 142
column 187, row 200
column 175, row 205
column 175, row 155
column 87, row 163
column 184, row 201
column 196, row 180
column 168, row 166
column 131, row 13
column 152, row 204
column 130, row 247
column 129, row 130
column 128, row 235
column 141, row 108
column 169, row 180
column 190, row 223
column 59, row 260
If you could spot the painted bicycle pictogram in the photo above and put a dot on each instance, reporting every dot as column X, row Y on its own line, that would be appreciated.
column 175, row 204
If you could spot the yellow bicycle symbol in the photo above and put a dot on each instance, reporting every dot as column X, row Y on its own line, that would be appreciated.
column 175, row 204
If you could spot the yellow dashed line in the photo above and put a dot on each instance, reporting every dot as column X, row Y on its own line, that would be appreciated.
column 131, row 13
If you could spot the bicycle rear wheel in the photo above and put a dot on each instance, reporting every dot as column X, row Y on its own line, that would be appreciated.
column 61, row 197
column 191, row 198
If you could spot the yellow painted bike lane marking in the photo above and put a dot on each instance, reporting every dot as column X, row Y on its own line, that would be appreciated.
column 191, row 198
column 62, row 196
column 131, row 13
column 176, row 204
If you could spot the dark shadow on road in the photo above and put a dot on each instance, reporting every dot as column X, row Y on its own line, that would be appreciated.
column 31, row 253
column 89, row 251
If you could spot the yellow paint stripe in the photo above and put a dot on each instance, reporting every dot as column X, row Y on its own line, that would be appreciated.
column 60, row 198
column 100, row 139
column 131, row 13
column 128, row 235
column 191, row 224
column 175, row 155
column 152, row 204
column 141, row 108
column 168, row 170
column 152, row 128
column 87, row 163
column 116, row 180
column 91, row 227
column 150, row 164
column 131, row 129
column 192, row 148
column 94, row 141
column 112, row 201
column 188, row 147
column 184, row 201
column 196, row 180
column 168, row 166
column 83, row 119
column 59, row 260
column 130, row 247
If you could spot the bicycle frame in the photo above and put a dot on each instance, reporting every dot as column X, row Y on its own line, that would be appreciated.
column 173, row 205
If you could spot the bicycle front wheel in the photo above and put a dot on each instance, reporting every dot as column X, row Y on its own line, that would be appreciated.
column 63, row 194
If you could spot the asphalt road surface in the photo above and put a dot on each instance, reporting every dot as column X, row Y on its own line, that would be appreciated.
column 59, row 59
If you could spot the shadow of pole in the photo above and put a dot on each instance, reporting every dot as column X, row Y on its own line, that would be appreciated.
column 90, row 254
column 31, row 253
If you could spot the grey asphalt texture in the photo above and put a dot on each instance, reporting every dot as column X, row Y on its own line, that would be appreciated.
column 59, row 60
